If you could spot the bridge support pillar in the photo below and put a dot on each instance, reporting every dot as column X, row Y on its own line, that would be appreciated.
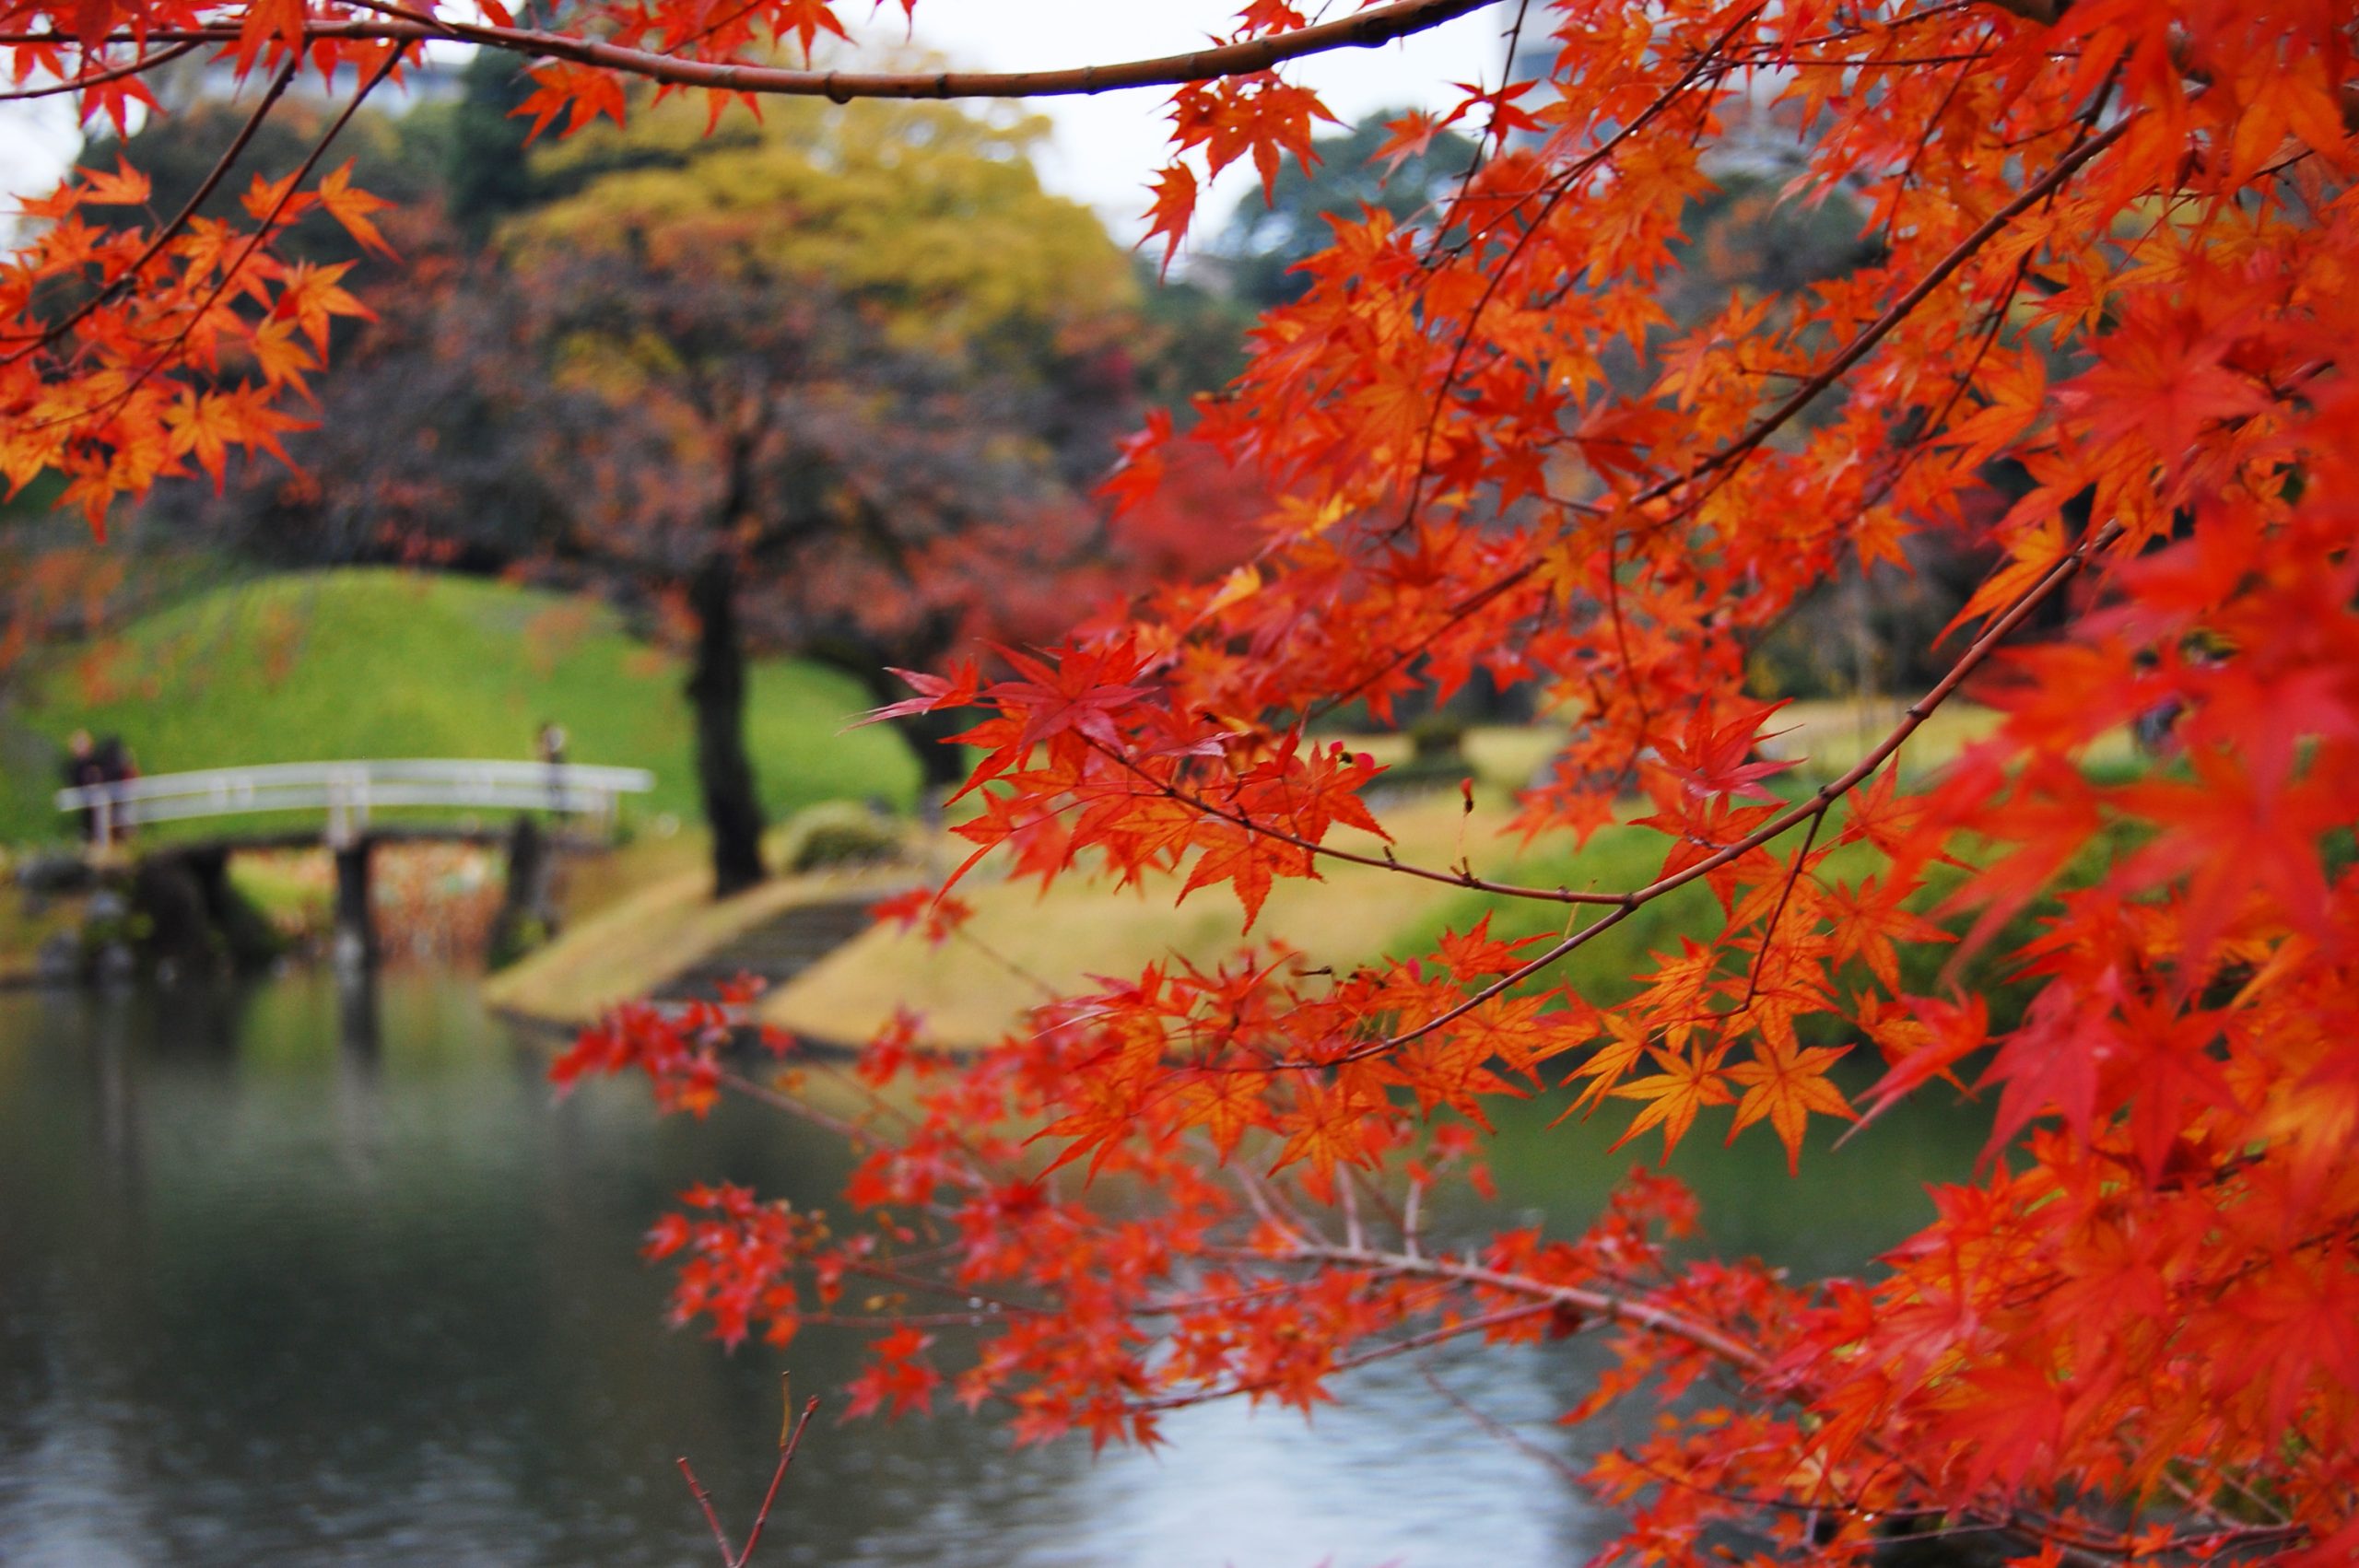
column 355, row 930
column 525, row 918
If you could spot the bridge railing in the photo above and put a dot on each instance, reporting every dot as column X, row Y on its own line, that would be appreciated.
column 348, row 792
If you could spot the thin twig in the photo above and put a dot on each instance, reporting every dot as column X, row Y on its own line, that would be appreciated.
column 1454, row 877
column 789, row 1441
column 1601, row 1305
column 785, row 1458
column 1899, row 311
column 704, row 1500
column 1424, row 1340
column 1500, row 1430
column 1769, row 931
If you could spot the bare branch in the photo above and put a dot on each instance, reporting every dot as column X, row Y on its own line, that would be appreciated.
column 135, row 67
column 1368, row 29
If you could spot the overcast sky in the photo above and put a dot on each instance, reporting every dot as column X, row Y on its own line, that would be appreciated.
column 1105, row 148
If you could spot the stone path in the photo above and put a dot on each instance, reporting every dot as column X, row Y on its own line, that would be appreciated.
column 776, row 950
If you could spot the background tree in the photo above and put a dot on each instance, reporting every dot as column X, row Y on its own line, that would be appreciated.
column 1266, row 238
column 867, row 360
column 834, row 387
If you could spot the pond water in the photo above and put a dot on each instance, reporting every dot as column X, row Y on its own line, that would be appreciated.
column 298, row 1275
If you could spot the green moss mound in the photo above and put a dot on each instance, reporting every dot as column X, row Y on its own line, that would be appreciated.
column 377, row 664
column 837, row 833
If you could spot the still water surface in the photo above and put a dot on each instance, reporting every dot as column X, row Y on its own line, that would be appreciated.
column 292, row 1276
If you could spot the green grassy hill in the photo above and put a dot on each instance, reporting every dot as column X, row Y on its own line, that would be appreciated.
column 384, row 663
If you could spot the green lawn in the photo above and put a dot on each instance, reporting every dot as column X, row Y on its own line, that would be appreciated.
column 385, row 664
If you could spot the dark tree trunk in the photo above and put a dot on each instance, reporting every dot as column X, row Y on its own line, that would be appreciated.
column 717, row 692
column 941, row 769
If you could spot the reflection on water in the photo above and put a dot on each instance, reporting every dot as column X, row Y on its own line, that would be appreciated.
column 294, row 1275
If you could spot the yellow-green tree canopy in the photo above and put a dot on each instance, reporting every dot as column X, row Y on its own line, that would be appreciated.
column 928, row 217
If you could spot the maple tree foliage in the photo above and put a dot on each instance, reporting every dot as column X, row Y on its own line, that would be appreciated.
column 2113, row 245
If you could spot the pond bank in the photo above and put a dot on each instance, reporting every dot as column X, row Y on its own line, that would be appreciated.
column 672, row 935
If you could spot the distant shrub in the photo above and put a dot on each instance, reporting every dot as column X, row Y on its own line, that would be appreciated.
column 837, row 832
column 1434, row 735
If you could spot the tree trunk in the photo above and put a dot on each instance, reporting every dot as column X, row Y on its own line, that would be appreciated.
column 941, row 769
column 717, row 692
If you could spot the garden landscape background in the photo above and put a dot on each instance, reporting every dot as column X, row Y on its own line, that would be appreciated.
column 1594, row 817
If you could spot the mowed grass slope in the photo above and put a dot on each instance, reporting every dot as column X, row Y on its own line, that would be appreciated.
column 1026, row 943
column 385, row 664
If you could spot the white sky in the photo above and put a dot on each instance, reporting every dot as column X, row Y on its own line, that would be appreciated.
column 1104, row 149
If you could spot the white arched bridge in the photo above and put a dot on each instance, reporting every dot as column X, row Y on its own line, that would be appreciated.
column 350, row 793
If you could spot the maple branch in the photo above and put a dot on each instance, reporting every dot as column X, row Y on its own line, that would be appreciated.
column 1499, row 1429
column 1393, row 660
column 245, row 254
column 1626, row 1312
column 793, row 1105
column 796, row 1106
column 1769, row 931
column 138, row 67
column 1858, row 348
column 1494, row 133
column 1566, row 184
column 2047, row 13
column 1415, row 1342
column 1272, row 1206
column 170, row 231
column 1601, row 1305
column 1899, row 311
column 2055, row 578
column 1366, row 30
column 1009, row 965
column 871, row 1322
column 1197, row 803
column 891, row 1276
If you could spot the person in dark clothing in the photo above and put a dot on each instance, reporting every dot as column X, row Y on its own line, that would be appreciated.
column 551, row 741
column 84, row 767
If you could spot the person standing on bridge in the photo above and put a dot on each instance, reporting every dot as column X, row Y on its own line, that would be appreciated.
column 83, row 768
column 552, row 747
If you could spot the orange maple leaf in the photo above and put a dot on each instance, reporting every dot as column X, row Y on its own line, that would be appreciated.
column 1785, row 1084
column 351, row 206
column 1685, row 1086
